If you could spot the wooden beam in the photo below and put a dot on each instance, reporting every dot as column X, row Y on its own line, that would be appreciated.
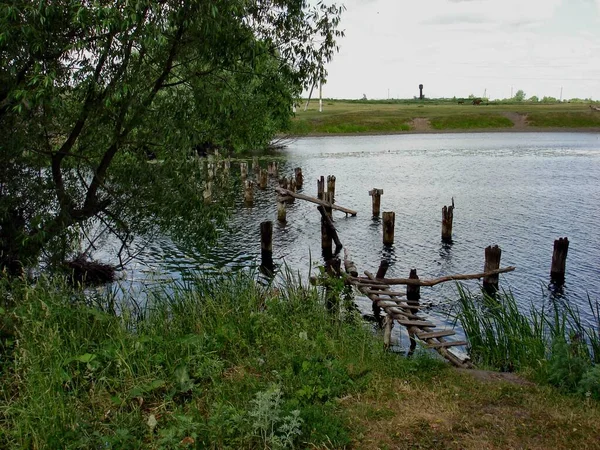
column 433, row 282
column 436, row 334
column 447, row 344
column 282, row 191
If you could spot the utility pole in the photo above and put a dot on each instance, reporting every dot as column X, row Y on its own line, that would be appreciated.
column 561, row 93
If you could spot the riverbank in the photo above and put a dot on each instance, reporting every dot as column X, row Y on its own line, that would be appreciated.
column 232, row 364
column 375, row 118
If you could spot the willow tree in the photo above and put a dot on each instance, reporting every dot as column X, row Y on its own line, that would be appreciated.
column 89, row 88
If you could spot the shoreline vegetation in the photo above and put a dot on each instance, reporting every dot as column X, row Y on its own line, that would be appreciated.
column 379, row 117
column 231, row 363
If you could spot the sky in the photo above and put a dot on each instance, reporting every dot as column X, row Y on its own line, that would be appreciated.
column 463, row 47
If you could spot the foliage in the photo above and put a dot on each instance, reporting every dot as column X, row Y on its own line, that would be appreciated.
column 90, row 91
column 519, row 96
column 224, row 364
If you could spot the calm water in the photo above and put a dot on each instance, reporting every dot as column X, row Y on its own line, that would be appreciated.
column 517, row 190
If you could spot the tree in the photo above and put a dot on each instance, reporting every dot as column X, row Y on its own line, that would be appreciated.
column 89, row 89
column 519, row 96
column 534, row 99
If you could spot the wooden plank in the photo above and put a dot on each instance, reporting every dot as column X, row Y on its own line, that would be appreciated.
column 282, row 191
column 415, row 323
column 383, row 292
column 436, row 334
column 447, row 344
column 390, row 303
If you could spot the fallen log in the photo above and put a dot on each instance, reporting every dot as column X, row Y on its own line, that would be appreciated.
column 284, row 192
column 433, row 282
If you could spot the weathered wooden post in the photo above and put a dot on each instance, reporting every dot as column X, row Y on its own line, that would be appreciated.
column 292, row 184
column 210, row 168
column 255, row 165
column 262, row 182
column 413, row 292
column 249, row 192
column 244, row 170
column 389, row 222
column 226, row 166
column 299, row 176
column 492, row 262
column 320, row 187
column 384, row 265
column 328, row 197
column 376, row 195
column 559, row 261
column 266, row 245
column 281, row 212
column 273, row 169
column 331, row 187
column 387, row 332
column 447, row 218
column 326, row 239
column 207, row 194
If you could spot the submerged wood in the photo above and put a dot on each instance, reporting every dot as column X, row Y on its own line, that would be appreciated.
column 314, row 200
column 434, row 281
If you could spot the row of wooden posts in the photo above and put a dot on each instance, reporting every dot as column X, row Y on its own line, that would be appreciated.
column 326, row 201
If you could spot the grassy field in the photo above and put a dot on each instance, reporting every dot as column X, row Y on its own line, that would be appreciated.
column 355, row 117
column 231, row 364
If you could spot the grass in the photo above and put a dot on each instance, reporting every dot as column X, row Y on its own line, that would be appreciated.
column 231, row 364
column 352, row 117
column 552, row 344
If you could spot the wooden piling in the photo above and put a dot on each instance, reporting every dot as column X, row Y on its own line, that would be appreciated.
column 292, row 184
column 376, row 195
column 207, row 194
column 255, row 165
column 226, row 166
column 266, row 245
column 492, row 262
column 389, row 219
column 299, row 177
column 413, row 292
column 281, row 212
column 384, row 265
column 272, row 169
column 447, row 218
column 321, row 187
column 263, row 178
column 244, row 170
column 326, row 239
column 249, row 192
column 349, row 264
column 559, row 260
column 331, row 187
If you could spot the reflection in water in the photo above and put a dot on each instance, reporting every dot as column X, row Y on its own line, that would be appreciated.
column 511, row 188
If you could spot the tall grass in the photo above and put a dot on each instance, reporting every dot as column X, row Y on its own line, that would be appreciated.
column 553, row 343
column 215, row 364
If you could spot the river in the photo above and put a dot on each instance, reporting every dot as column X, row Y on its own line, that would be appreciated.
column 520, row 191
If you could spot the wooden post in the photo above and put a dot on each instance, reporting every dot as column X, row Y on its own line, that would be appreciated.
column 387, row 332
column 376, row 194
column 207, row 192
column 255, row 165
column 281, row 212
column 384, row 265
column 413, row 293
column 226, row 166
column 389, row 221
column 249, row 192
column 320, row 187
column 244, row 170
column 266, row 245
column 492, row 262
column 299, row 176
column 210, row 168
column 331, row 187
column 447, row 218
column 326, row 240
column 273, row 169
column 292, row 184
column 263, row 179
column 559, row 260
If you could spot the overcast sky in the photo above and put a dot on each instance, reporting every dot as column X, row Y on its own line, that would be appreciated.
column 462, row 47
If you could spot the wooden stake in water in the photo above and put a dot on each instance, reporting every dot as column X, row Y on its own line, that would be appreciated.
column 331, row 187
column 559, row 261
column 389, row 222
column 249, row 192
column 447, row 218
column 299, row 177
column 263, row 179
column 413, row 293
column 244, row 170
column 376, row 195
column 320, row 187
column 255, row 165
column 292, row 184
column 281, row 212
column 266, row 245
column 492, row 262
